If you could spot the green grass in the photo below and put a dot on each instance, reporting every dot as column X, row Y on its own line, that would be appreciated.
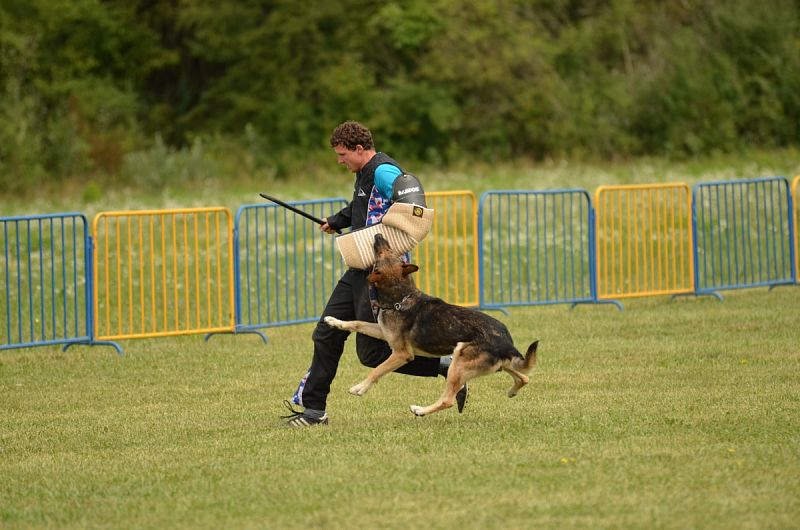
column 677, row 413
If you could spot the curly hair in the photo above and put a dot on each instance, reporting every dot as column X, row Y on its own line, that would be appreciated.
column 350, row 134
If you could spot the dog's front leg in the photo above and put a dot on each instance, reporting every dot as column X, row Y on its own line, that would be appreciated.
column 397, row 359
column 456, row 378
column 444, row 402
column 359, row 326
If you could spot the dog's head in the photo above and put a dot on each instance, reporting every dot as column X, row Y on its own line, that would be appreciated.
column 389, row 269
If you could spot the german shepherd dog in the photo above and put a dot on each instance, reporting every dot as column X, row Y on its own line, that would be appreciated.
column 413, row 323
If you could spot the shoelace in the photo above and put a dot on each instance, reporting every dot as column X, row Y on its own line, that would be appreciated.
column 293, row 413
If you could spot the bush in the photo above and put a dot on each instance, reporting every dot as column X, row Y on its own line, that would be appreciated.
column 239, row 87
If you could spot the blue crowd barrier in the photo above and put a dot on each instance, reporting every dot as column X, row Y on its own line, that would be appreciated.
column 285, row 268
column 46, row 276
column 743, row 233
column 536, row 247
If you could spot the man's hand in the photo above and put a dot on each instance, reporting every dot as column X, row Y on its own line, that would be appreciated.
column 327, row 228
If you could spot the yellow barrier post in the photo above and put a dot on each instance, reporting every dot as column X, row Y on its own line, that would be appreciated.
column 644, row 240
column 448, row 257
column 163, row 273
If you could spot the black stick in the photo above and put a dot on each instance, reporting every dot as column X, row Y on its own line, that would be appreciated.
column 297, row 210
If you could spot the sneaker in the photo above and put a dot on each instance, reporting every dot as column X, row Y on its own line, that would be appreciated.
column 296, row 418
column 461, row 398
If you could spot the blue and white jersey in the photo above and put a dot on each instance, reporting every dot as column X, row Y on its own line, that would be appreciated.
column 380, row 197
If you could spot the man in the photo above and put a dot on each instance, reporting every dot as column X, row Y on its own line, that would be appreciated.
column 379, row 181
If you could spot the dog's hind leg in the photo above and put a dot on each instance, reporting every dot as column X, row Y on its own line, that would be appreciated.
column 521, row 367
column 520, row 380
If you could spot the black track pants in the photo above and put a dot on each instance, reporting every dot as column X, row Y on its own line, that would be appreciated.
column 350, row 301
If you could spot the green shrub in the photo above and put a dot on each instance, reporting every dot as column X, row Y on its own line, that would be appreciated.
column 239, row 88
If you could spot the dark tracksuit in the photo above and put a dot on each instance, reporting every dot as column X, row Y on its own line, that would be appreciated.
column 350, row 301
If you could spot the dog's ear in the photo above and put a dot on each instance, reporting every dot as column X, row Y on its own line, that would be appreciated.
column 408, row 268
column 373, row 276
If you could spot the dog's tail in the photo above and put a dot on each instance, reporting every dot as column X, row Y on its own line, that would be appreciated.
column 527, row 363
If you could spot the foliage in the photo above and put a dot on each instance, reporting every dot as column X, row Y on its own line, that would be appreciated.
column 84, row 83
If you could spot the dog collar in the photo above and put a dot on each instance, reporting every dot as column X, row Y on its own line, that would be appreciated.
column 397, row 306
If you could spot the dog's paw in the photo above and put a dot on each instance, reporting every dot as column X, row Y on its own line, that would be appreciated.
column 417, row 410
column 514, row 390
column 359, row 389
column 333, row 322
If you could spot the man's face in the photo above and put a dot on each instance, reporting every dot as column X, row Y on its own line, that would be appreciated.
column 352, row 158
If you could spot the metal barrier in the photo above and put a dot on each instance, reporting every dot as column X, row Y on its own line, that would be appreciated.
column 44, row 271
column 448, row 257
column 536, row 247
column 745, row 234
column 796, row 201
column 285, row 267
column 644, row 240
column 163, row 272
column 187, row 271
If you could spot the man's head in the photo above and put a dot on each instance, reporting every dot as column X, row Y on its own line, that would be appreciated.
column 353, row 145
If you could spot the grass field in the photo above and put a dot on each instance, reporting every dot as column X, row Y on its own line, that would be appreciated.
column 677, row 413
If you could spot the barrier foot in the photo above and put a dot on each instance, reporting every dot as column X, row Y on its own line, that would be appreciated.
column 501, row 309
column 709, row 293
column 96, row 343
column 237, row 332
column 574, row 304
column 615, row 302
column 774, row 285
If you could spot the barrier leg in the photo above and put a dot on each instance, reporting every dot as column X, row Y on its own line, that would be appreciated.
column 709, row 293
column 614, row 302
column 237, row 332
column 96, row 343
